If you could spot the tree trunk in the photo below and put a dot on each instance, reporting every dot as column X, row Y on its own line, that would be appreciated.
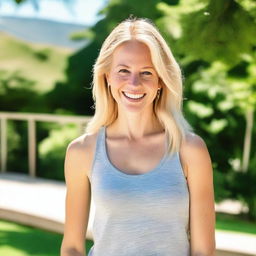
column 251, row 203
column 247, row 139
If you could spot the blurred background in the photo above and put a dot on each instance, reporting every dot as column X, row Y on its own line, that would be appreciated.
column 47, row 50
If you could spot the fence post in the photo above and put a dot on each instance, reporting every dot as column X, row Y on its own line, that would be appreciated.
column 3, row 144
column 32, row 147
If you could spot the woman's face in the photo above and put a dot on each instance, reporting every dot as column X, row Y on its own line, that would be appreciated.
column 133, row 79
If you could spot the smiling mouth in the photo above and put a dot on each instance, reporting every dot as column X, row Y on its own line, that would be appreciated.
column 134, row 96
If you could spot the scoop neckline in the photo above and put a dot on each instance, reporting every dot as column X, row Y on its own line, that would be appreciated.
column 126, row 175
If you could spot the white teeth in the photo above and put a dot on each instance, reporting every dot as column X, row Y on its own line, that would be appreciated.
column 133, row 96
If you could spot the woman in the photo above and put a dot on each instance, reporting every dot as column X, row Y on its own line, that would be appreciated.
column 149, row 175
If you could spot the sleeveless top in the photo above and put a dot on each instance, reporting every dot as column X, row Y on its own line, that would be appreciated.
column 139, row 214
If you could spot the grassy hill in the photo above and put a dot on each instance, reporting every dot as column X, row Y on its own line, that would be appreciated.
column 44, row 31
column 44, row 64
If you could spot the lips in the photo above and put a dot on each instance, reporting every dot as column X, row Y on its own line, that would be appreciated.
column 134, row 92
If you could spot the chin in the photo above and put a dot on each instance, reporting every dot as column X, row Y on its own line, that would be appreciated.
column 139, row 109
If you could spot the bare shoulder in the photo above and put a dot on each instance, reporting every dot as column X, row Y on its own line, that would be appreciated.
column 80, row 153
column 194, row 152
column 193, row 142
column 81, row 143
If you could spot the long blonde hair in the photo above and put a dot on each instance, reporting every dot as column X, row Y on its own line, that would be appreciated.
column 168, row 107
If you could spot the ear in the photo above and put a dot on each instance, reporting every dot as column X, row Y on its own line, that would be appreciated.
column 107, row 77
column 160, row 83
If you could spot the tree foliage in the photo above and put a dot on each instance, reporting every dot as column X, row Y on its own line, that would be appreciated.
column 221, row 30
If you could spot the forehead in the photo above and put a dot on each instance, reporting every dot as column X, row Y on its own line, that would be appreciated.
column 132, row 53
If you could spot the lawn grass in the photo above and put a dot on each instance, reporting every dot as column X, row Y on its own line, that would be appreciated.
column 20, row 240
column 236, row 223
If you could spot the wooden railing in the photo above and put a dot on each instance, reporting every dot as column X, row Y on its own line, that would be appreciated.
column 32, row 118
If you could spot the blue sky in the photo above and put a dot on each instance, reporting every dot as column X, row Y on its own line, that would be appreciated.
column 77, row 11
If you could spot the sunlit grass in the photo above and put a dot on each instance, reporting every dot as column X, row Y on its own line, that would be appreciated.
column 236, row 223
column 20, row 240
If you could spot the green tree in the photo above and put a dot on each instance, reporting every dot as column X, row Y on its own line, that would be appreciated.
column 217, row 42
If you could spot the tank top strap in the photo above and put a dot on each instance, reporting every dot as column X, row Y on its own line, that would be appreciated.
column 98, row 148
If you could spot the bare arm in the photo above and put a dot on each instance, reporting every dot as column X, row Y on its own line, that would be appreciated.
column 200, row 182
column 78, row 197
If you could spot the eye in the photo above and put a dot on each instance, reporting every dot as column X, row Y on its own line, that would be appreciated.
column 123, row 71
column 147, row 73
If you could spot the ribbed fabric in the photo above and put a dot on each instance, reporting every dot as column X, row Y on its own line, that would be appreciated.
column 139, row 215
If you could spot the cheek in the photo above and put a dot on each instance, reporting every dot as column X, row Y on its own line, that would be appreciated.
column 116, row 83
column 151, row 83
column 118, row 79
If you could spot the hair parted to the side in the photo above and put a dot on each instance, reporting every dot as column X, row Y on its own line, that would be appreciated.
column 168, row 107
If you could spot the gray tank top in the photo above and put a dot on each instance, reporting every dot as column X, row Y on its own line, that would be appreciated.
column 139, row 214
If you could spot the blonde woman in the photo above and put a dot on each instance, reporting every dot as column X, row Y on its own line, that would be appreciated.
column 149, row 176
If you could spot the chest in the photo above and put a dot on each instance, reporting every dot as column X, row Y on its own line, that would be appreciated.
column 136, row 158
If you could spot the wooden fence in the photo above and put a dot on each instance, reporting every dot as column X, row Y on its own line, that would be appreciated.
column 32, row 118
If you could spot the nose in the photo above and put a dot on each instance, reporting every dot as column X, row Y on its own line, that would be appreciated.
column 135, row 79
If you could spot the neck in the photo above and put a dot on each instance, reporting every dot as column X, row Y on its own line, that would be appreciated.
column 135, row 126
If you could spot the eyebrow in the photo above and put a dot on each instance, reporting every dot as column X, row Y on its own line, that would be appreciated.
column 128, row 66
